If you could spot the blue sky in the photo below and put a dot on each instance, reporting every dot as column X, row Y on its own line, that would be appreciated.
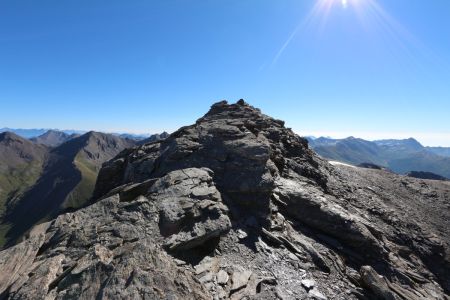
column 372, row 69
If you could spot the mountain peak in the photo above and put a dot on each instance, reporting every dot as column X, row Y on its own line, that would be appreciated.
column 95, row 134
column 7, row 135
column 413, row 141
column 226, row 138
column 54, row 132
column 52, row 138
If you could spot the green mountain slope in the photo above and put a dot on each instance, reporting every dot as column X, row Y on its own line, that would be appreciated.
column 21, row 164
column 66, row 182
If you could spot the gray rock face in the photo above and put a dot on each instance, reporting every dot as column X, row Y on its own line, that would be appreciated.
column 108, row 250
column 376, row 283
column 236, row 206
column 245, row 149
column 190, row 208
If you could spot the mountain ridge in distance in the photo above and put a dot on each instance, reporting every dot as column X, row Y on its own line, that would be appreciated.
column 401, row 156
column 40, row 135
column 29, row 133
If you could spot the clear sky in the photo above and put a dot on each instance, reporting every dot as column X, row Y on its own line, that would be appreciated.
column 372, row 69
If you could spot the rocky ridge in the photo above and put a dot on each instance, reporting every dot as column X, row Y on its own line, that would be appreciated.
column 237, row 206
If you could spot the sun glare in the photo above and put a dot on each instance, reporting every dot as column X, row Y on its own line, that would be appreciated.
column 342, row 3
column 368, row 13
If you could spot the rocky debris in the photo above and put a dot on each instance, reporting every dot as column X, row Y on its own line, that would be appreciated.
column 376, row 283
column 315, row 294
column 107, row 250
column 17, row 261
column 222, row 277
column 242, row 234
column 308, row 284
column 240, row 279
column 236, row 206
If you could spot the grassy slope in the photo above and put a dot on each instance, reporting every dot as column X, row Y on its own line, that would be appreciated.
column 68, row 183
column 3, row 230
column 83, row 191
column 13, row 183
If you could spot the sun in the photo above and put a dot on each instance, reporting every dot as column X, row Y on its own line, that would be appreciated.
column 344, row 3
column 369, row 13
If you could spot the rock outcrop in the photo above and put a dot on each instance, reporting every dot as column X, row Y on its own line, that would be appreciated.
column 237, row 206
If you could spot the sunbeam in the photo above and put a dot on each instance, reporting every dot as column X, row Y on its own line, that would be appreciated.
column 369, row 14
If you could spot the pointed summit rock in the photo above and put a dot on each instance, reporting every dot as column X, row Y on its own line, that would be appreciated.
column 245, row 149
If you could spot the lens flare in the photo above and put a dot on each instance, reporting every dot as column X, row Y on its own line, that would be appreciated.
column 369, row 14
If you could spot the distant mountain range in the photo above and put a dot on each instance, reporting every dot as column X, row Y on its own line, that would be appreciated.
column 56, row 171
column 400, row 156
column 53, row 133
column 32, row 133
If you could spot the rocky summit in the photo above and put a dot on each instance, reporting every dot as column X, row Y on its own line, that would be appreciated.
column 236, row 206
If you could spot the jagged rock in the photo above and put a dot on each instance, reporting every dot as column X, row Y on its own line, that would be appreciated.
column 313, row 207
column 238, row 193
column 240, row 279
column 208, row 264
column 222, row 277
column 308, row 284
column 376, row 283
column 93, row 264
column 315, row 294
column 17, row 261
column 242, row 234
column 225, row 139
column 208, row 277
column 248, row 290
column 190, row 208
